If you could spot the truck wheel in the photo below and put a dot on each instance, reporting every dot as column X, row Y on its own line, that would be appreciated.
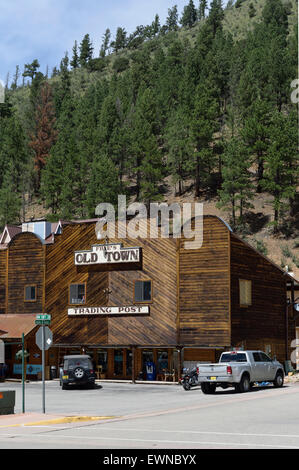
column 244, row 385
column 207, row 388
column 278, row 381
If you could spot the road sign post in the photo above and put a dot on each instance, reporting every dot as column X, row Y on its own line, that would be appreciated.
column 44, row 340
column 43, row 368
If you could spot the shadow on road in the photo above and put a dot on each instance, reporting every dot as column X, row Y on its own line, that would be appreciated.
column 83, row 387
column 232, row 391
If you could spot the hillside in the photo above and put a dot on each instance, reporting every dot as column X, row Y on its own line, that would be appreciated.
column 199, row 112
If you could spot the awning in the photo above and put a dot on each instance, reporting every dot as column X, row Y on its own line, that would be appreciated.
column 12, row 326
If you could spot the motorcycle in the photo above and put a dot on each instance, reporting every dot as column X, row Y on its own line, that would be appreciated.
column 190, row 378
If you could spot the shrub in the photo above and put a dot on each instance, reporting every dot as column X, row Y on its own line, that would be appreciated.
column 120, row 64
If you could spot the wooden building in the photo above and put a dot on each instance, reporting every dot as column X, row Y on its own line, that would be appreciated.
column 133, row 301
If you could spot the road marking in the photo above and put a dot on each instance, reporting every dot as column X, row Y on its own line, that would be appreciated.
column 248, row 397
column 162, row 441
column 206, row 432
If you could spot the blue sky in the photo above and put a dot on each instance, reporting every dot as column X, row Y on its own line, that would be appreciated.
column 46, row 29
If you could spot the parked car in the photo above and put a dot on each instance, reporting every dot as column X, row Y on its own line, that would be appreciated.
column 77, row 369
column 240, row 369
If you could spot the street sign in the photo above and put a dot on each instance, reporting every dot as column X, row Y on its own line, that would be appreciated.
column 48, row 338
column 43, row 319
column 42, row 322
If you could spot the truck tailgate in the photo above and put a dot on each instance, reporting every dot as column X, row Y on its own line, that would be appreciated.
column 215, row 370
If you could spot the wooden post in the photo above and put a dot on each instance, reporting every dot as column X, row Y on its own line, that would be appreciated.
column 133, row 364
column 180, row 349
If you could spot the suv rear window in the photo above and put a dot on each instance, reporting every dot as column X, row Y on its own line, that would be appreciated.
column 70, row 364
column 233, row 357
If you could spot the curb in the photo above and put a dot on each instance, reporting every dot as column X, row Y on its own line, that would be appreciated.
column 64, row 420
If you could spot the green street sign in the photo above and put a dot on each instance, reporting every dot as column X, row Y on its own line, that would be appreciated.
column 42, row 322
column 43, row 316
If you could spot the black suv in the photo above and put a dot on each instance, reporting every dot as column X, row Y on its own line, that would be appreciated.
column 77, row 370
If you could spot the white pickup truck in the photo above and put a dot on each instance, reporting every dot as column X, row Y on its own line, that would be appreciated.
column 240, row 369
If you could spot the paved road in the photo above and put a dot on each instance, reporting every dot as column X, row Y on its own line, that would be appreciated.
column 159, row 417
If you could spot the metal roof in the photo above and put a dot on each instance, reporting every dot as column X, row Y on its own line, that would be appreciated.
column 15, row 324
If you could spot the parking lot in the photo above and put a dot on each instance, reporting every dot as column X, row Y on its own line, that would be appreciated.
column 157, row 416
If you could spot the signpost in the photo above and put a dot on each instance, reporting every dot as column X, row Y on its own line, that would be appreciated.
column 44, row 340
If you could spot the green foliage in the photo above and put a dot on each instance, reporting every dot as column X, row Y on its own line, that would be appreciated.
column 120, row 64
column 286, row 251
column 236, row 190
column 261, row 247
column 207, row 103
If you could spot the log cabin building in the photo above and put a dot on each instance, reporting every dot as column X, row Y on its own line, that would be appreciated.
column 135, row 301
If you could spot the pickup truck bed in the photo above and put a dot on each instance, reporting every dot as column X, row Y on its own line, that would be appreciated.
column 240, row 369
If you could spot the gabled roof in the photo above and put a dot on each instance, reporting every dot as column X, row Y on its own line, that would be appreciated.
column 9, row 232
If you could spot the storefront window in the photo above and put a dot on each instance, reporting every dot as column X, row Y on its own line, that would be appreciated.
column 129, row 362
column 103, row 359
column 118, row 362
column 147, row 356
column 162, row 361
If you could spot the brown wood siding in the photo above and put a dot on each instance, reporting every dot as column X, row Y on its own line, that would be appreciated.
column 199, row 355
column 25, row 267
column 3, row 256
column 159, row 266
column 61, row 271
column 204, row 288
column 263, row 322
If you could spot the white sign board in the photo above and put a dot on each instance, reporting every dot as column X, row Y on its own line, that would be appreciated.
column 107, row 254
column 131, row 310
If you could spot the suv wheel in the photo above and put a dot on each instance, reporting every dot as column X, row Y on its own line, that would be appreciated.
column 79, row 373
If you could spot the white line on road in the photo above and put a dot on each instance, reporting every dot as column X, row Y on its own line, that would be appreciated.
column 164, row 441
column 205, row 432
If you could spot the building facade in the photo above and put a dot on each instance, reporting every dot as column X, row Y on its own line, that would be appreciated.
column 140, row 305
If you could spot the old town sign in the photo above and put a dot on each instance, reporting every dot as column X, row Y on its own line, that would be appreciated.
column 108, row 254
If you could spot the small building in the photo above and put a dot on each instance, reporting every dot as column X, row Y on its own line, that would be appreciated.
column 142, row 305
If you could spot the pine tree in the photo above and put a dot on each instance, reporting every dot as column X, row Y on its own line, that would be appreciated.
column 156, row 26
column 202, row 9
column 203, row 125
column 179, row 147
column 236, row 189
column 256, row 134
column 105, row 43
column 189, row 16
column 145, row 148
column 74, row 63
column 30, row 70
column 215, row 15
column 57, row 180
column 86, row 51
column 172, row 19
column 103, row 183
column 120, row 40
column 10, row 201
column 281, row 163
